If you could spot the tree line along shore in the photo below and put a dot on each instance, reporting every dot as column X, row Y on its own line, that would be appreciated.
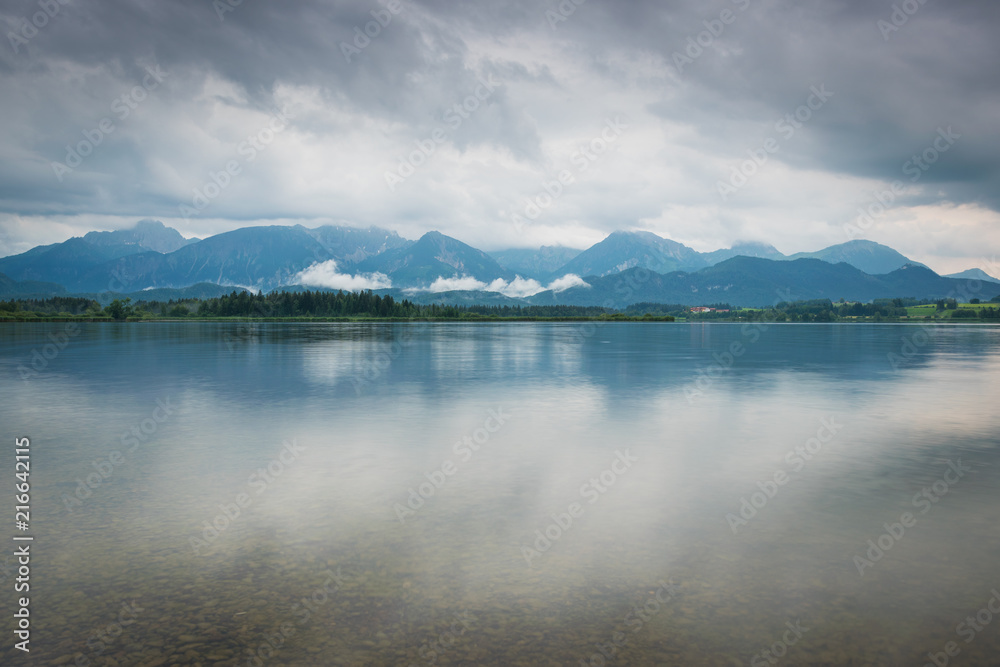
column 362, row 306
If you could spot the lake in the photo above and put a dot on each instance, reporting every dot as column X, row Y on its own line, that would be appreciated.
column 506, row 494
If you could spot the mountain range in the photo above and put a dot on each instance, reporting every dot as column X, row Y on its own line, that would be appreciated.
column 435, row 256
column 755, row 281
column 152, row 258
column 974, row 274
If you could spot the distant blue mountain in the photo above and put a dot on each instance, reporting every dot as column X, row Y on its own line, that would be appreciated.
column 974, row 274
column 540, row 264
column 145, row 236
column 28, row 288
column 870, row 257
column 65, row 263
column 151, row 257
column 752, row 281
column 743, row 250
column 626, row 250
column 252, row 257
column 435, row 256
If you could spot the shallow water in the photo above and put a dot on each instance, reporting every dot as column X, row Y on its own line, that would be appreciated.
column 376, row 491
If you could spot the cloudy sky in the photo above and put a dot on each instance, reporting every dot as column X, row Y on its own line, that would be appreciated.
column 509, row 123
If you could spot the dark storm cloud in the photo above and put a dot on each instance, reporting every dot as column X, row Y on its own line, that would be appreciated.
column 894, row 85
column 707, row 80
column 257, row 45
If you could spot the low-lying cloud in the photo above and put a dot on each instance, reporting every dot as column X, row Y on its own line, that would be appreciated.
column 325, row 274
column 517, row 288
column 443, row 284
column 567, row 281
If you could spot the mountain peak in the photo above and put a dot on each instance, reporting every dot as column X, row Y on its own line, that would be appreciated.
column 146, row 234
column 915, row 267
column 974, row 274
column 540, row 264
column 637, row 233
column 437, row 238
column 871, row 257
column 148, row 223
column 435, row 255
column 753, row 245
column 744, row 249
column 623, row 250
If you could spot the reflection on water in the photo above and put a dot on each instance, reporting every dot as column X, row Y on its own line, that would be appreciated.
column 508, row 494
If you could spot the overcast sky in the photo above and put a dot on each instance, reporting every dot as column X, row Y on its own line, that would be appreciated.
column 212, row 116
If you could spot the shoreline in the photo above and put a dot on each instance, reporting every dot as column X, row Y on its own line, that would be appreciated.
column 478, row 320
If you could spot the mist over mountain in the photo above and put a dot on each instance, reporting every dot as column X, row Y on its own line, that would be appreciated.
column 538, row 264
column 146, row 235
column 749, row 249
column 351, row 245
column 435, row 256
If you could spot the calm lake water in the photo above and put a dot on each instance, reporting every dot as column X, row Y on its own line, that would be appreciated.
column 506, row 494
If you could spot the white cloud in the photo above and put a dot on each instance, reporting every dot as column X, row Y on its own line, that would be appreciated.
column 324, row 274
column 567, row 281
column 443, row 284
column 517, row 288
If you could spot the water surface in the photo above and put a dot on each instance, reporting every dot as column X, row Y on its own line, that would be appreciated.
column 506, row 494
